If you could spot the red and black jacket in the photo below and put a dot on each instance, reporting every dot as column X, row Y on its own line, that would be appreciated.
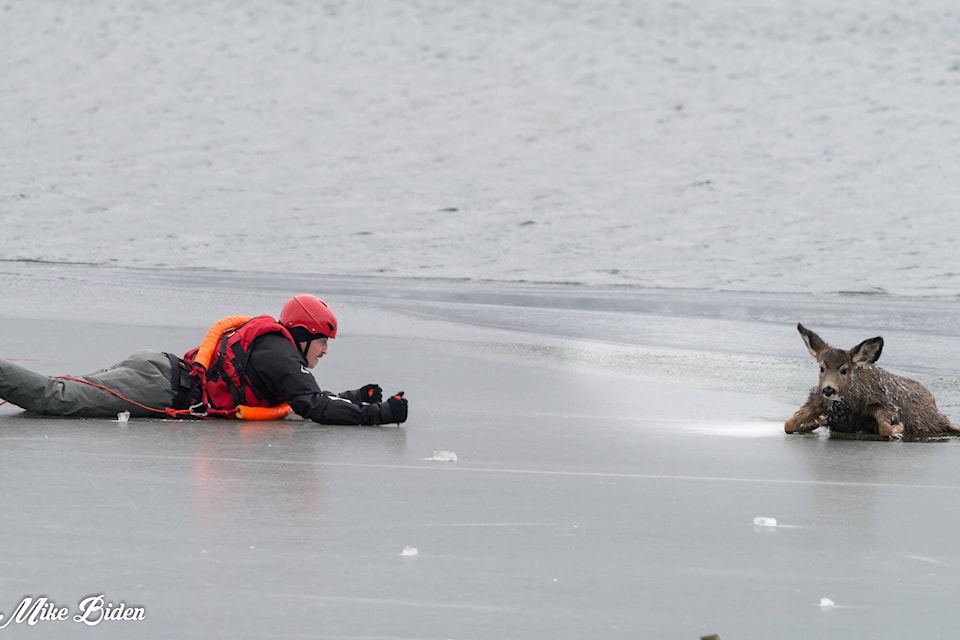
column 227, row 382
column 258, row 364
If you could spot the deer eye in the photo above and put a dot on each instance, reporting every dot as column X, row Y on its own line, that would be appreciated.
column 822, row 369
column 843, row 371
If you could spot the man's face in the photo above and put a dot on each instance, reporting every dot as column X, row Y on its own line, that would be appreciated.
column 317, row 349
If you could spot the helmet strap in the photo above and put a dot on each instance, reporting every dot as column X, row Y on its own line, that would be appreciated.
column 305, row 348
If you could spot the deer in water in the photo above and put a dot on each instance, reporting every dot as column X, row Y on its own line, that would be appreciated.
column 854, row 395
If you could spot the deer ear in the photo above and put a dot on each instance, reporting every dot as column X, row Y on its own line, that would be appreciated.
column 815, row 343
column 867, row 352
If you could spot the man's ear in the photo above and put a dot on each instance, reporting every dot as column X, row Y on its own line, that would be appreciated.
column 867, row 352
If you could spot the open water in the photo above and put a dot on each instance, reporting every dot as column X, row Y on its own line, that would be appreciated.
column 750, row 145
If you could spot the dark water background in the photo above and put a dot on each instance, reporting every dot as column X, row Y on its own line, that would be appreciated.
column 752, row 146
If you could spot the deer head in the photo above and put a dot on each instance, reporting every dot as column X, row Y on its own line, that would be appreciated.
column 837, row 365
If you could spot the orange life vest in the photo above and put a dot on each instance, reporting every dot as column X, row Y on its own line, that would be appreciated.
column 219, row 364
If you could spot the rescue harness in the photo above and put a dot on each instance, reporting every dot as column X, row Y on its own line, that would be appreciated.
column 223, row 391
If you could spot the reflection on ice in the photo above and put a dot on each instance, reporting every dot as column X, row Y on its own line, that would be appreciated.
column 737, row 429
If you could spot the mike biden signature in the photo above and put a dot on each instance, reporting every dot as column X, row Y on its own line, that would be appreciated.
column 90, row 611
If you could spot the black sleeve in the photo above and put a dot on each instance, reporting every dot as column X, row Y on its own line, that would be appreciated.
column 277, row 368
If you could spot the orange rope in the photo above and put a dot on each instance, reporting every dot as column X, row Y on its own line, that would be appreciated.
column 242, row 412
column 168, row 411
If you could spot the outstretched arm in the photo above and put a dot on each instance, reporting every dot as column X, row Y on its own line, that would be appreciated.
column 283, row 373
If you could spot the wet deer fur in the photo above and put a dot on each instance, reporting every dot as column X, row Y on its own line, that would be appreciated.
column 854, row 395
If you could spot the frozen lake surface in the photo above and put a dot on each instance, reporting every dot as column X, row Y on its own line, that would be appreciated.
column 602, row 488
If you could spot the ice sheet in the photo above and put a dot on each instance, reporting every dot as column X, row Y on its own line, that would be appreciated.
column 585, row 502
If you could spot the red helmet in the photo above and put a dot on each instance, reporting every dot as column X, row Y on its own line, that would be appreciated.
column 311, row 313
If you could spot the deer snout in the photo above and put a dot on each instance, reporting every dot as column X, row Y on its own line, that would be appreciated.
column 828, row 392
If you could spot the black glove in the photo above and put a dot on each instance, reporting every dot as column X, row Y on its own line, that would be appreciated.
column 370, row 393
column 398, row 407
column 367, row 394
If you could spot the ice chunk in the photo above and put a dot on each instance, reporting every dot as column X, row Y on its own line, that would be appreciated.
column 409, row 551
column 123, row 416
column 827, row 602
column 763, row 521
column 444, row 456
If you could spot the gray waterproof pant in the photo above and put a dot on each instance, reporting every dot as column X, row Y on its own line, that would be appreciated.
column 144, row 377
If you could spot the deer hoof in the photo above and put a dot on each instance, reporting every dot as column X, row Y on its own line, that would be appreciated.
column 888, row 430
